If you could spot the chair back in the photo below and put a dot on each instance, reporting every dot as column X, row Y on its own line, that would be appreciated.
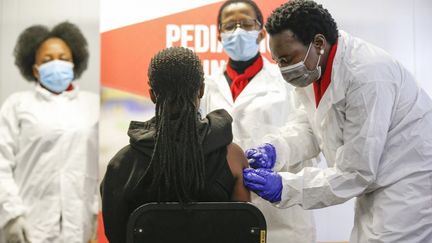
column 203, row 222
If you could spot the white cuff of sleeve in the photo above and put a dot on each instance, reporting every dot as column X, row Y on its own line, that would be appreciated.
column 292, row 185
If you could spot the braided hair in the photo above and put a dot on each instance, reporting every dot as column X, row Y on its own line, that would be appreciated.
column 305, row 19
column 177, row 164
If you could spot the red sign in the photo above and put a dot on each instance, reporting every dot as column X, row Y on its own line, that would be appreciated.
column 126, row 52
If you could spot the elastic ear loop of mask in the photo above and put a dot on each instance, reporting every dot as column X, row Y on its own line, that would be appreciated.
column 307, row 53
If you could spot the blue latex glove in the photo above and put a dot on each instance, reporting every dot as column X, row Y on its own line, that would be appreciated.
column 264, row 182
column 264, row 156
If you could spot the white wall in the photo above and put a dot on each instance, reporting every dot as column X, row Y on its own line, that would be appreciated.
column 422, row 46
column 402, row 28
column 16, row 15
column 112, row 16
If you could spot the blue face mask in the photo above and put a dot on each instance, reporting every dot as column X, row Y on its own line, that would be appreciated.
column 240, row 45
column 56, row 75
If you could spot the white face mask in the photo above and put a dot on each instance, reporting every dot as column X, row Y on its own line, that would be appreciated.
column 241, row 45
column 298, row 74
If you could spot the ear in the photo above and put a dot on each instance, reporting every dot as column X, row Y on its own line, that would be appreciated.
column 261, row 35
column 35, row 71
column 152, row 96
column 320, row 43
column 201, row 90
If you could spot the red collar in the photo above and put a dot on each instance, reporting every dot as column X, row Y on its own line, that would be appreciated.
column 70, row 87
column 239, row 81
column 321, row 85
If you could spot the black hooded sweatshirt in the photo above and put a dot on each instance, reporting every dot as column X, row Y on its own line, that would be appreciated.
column 122, row 192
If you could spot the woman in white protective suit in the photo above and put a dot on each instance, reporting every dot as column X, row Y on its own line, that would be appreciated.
column 253, row 91
column 48, row 142
column 368, row 117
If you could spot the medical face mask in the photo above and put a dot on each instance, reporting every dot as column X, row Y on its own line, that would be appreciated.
column 298, row 74
column 240, row 45
column 56, row 75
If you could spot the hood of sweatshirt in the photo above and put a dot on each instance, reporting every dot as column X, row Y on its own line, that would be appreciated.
column 214, row 131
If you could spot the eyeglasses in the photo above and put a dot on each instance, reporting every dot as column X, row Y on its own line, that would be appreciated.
column 246, row 24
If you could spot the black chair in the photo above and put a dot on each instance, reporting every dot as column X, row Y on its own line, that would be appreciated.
column 218, row 222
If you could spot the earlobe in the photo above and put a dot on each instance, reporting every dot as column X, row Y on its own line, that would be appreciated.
column 319, row 43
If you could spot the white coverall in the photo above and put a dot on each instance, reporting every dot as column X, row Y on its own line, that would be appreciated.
column 374, row 127
column 49, row 163
column 261, row 108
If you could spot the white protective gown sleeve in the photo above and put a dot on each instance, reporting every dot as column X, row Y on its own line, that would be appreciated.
column 368, row 113
column 298, row 154
column 11, row 204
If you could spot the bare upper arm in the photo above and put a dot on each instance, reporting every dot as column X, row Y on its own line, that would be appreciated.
column 237, row 162
column 236, row 157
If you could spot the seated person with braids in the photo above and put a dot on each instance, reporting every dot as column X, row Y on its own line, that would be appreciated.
column 176, row 156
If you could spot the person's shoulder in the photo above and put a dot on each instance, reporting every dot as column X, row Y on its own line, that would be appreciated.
column 21, row 94
column 17, row 98
column 360, row 56
column 220, row 122
column 236, row 155
column 220, row 116
column 122, row 157
column 360, row 63
column 219, row 130
column 85, row 94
